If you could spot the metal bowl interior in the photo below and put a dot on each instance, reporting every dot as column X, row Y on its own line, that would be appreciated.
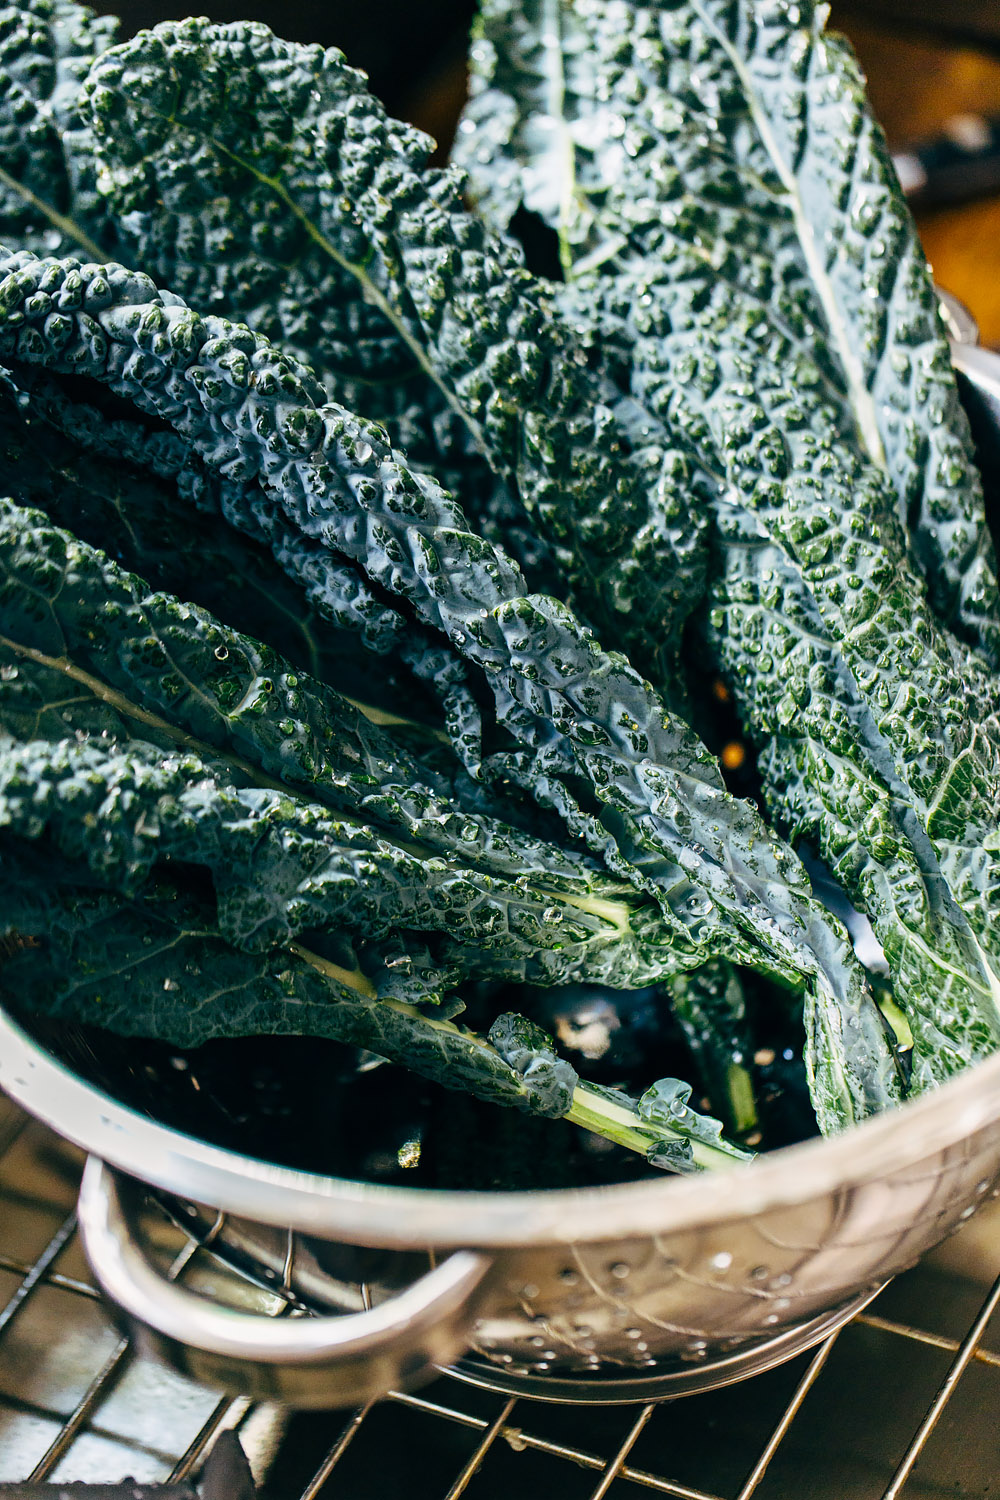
column 338, row 1208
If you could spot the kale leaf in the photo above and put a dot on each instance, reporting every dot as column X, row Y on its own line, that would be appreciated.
column 186, row 985
column 192, row 115
column 725, row 884
column 722, row 162
column 880, row 742
column 365, row 741
column 49, row 200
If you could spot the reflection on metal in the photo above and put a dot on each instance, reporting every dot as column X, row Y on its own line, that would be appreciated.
column 78, row 1403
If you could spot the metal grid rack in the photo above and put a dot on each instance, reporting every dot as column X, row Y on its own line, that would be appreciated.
column 903, row 1402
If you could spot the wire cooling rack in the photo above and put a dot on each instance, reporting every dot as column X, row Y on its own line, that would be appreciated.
column 902, row 1402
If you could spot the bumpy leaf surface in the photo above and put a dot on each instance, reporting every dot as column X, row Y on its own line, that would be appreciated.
column 282, row 866
column 117, row 485
column 880, row 731
column 240, row 249
column 725, row 884
column 185, row 985
column 79, row 632
column 717, row 144
column 48, row 191
column 193, row 109
column 101, row 807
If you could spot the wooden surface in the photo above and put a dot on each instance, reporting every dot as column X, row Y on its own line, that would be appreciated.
column 916, row 84
column 972, row 20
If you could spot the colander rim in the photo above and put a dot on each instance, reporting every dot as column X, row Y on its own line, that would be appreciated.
column 336, row 1208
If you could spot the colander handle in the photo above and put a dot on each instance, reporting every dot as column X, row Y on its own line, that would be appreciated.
column 342, row 1360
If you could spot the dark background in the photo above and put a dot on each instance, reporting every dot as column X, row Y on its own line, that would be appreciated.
column 412, row 50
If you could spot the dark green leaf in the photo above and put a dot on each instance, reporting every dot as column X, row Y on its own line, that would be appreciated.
column 725, row 884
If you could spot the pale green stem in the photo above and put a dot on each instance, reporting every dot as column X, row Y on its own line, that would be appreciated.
column 590, row 1108
column 60, row 221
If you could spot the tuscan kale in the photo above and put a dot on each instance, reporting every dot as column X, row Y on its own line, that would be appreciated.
column 186, row 985
column 725, row 884
column 763, row 207
column 346, row 564
column 725, row 153
column 196, row 119
column 49, row 200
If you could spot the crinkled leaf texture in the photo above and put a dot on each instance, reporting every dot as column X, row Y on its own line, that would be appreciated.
column 185, row 985
column 48, row 172
column 745, row 205
column 192, row 119
column 115, row 660
column 662, row 819
column 713, row 143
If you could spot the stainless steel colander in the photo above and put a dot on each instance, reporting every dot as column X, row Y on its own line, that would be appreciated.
column 603, row 1294
column 597, row 1294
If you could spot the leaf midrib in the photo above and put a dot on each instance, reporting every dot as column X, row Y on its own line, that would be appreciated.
column 861, row 401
